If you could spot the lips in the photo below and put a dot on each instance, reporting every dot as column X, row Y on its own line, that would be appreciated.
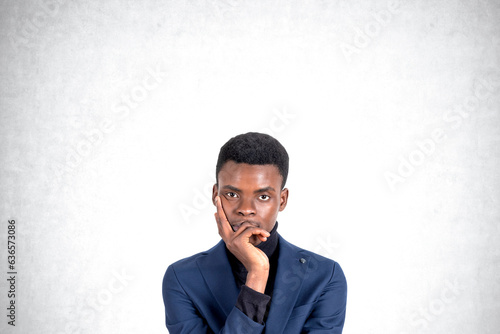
column 237, row 225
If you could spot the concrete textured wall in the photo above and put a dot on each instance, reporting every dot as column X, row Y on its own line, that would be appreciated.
column 112, row 114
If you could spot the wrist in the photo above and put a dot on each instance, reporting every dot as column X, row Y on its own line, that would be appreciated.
column 257, row 280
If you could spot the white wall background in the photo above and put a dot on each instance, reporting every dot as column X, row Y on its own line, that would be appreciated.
column 113, row 112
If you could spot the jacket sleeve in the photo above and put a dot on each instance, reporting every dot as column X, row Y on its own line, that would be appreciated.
column 328, row 313
column 182, row 316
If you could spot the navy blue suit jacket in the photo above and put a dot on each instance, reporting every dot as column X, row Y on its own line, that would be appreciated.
column 309, row 295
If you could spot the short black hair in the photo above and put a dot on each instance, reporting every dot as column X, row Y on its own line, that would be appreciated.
column 254, row 148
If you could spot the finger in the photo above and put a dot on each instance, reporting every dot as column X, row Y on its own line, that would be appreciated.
column 217, row 219
column 248, row 230
column 251, row 233
column 224, row 225
column 262, row 238
column 219, row 225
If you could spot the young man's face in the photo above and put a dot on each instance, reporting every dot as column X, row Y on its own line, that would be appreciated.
column 250, row 193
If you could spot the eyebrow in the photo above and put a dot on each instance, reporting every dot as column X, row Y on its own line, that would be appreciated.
column 229, row 187
column 261, row 190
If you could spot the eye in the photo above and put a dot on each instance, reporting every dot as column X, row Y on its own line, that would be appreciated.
column 264, row 197
column 231, row 194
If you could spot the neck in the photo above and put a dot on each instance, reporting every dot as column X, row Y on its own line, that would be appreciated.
column 269, row 246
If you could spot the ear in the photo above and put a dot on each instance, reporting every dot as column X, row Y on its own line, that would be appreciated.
column 215, row 192
column 283, row 199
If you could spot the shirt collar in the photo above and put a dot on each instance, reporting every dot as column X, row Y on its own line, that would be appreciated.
column 269, row 246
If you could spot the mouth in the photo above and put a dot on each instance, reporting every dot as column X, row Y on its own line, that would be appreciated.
column 237, row 225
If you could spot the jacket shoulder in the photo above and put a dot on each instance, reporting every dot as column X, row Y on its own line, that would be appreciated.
column 189, row 264
column 319, row 263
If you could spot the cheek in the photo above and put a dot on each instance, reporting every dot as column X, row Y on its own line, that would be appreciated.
column 270, row 209
column 227, row 205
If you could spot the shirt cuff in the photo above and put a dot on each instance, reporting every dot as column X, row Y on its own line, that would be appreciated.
column 252, row 303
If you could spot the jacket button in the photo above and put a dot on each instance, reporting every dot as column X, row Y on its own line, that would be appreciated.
column 302, row 260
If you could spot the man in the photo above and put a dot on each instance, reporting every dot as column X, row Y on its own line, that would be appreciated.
column 253, row 281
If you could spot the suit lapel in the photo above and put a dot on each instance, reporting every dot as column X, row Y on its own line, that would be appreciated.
column 217, row 273
column 292, row 268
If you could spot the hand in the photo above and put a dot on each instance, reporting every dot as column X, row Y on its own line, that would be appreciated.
column 241, row 246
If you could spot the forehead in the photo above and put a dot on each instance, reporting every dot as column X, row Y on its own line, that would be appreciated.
column 233, row 173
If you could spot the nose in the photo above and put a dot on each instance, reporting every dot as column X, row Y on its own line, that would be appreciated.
column 246, row 208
